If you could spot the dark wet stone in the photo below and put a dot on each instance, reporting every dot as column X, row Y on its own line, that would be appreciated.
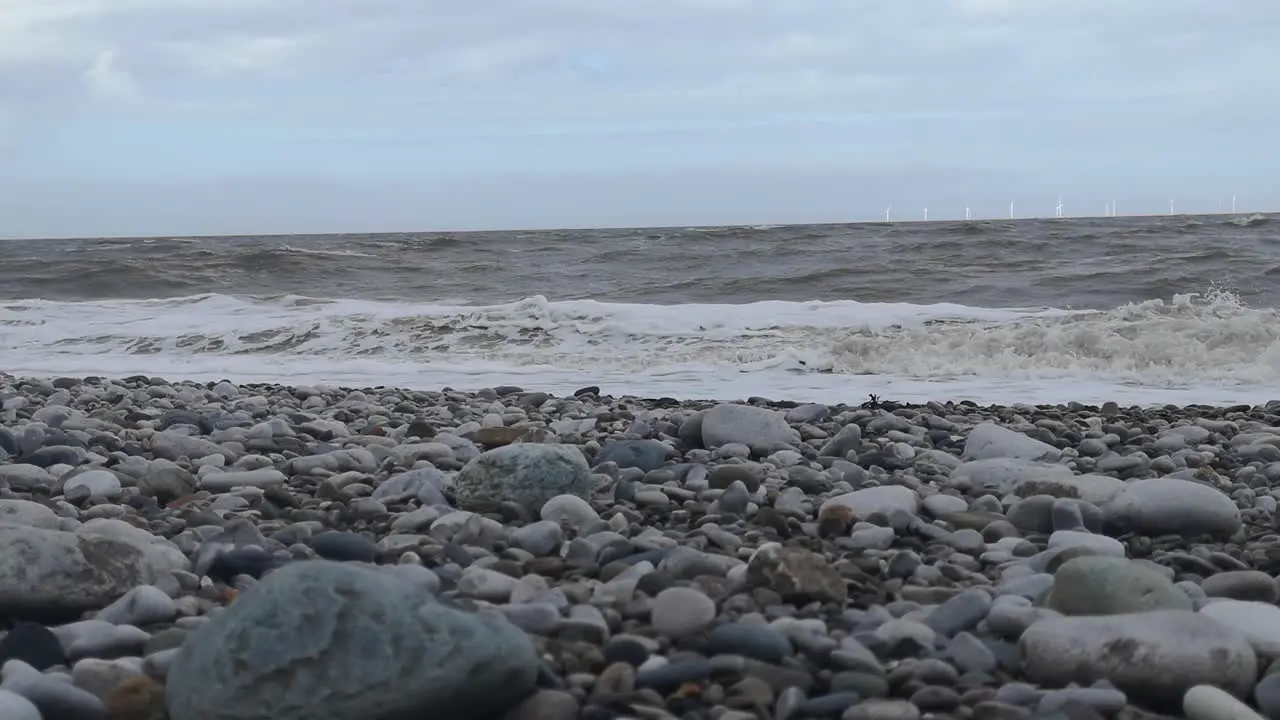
column 33, row 644
column 832, row 705
column 632, row 652
column 345, row 546
column 761, row 642
column 252, row 561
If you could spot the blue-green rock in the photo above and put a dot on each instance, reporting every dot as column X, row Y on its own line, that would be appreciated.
column 528, row 474
column 320, row 640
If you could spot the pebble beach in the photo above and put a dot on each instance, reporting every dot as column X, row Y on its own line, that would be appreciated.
column 214, row 551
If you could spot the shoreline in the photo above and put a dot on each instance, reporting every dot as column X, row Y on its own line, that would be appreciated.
column 177, row 546
column 604, row 394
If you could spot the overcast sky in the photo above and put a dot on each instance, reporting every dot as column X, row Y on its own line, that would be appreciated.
column 242, row 116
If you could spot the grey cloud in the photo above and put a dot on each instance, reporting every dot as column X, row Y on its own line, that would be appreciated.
column 519, row 55
column 981, row 93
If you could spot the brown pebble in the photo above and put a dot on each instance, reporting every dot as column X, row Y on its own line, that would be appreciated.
column 616, row 679
column 137, row 698
column 835, row 520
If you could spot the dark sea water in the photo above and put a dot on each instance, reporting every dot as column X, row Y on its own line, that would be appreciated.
column 1148, row 309
column 1093, row 263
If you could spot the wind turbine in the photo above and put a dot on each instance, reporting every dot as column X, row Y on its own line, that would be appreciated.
column 1058, row 210
column 888, row 210
column 1233, row 204
column 1170, row 206
column 967, row 214
column 926, row 214
column 1010, row 209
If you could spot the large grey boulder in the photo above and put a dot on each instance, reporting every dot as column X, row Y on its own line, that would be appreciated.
column 528, row 474
column 755, row 427
column 1002, row 475
column 320, row 640
column 1155, row 656
column 989, row 440
column 1169, row 506
column 55, row 574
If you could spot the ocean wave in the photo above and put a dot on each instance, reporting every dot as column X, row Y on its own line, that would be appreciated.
column 1185, row 341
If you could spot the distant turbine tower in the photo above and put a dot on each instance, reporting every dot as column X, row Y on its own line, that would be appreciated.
column 1233, row 204
column 1010, row 209
column 1170, row 206
column 967, row 214
column 926, row 214
column 1058, row 210
column 1113, row 208
column 887, row 211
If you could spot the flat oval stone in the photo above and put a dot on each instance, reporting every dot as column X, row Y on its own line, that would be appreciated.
column 1154, row 655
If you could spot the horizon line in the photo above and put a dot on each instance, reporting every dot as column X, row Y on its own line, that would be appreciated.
column 583, row 228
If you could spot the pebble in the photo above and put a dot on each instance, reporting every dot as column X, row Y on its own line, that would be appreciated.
column 1206, row 702
column 523, row 555
column 679, row 612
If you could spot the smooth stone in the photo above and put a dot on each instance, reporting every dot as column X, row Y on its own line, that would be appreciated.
column 1107, row 701
column 1241, row 585
column 142, row 605
column 1267, row 695
column 527, row 474
column 569, row 511
column 1003, row 476
column 1099, row 544
column 546, row 705
column 33, row 644
column 100, row 677
column 53, row 695
column 748, row 425
column 680, row 611
column 26, row 512
column 962, row 612
column 100, row 639
column 875, row 500
column 988, row 440
column 969, row 654
column 262, row 478
column 882, row 709
column 829, row 705
column 51, row 573
column 671, row 675
column 319, row 640
column 939, row 505
column 15, row 707
column 761, row 642
column 538, row 539
column 94, row 483
column 1154, row 655
column 1260, row 622
column 1169, row 506
column 1205, row 702
column 345, row 546
column 1101, row 585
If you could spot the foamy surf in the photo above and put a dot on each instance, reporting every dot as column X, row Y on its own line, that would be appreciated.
column 1189, row 348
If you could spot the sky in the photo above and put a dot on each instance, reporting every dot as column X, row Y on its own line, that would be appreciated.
column 186, row 117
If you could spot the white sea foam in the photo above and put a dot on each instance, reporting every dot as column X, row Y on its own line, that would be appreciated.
column 1187, row 349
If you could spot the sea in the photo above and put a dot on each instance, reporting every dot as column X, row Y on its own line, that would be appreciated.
column 1139, row 310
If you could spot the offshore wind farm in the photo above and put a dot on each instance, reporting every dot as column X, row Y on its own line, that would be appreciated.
column 1110, row 208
